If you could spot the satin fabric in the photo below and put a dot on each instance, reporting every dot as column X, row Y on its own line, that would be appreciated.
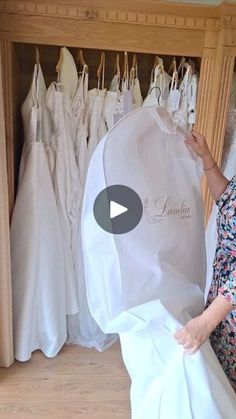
column 79, row 104
column 66, row 183
column 159, row 87
column 38, row 270
column 73, row 108
column 150, row 281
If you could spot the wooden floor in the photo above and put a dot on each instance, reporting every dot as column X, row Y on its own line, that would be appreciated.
column 77, row 384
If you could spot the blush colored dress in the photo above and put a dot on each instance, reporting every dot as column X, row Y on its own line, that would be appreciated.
column 223, row 338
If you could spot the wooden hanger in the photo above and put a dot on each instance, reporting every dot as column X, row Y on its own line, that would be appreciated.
column 81, row 61
column 117, row 66
column 174, row 80
column 189, row 69
column 59, row 64
column 101, row 64
column 193, row 66
column 173, row 66
column 161, row 65
column 155, row 64
column 133, row 70
column 37, row 56
column 101, row 70
column 156, row 61
column 182, row 64
column 126, row 67
column 134, row 61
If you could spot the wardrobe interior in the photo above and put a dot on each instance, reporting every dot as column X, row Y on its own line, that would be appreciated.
column 24, row 58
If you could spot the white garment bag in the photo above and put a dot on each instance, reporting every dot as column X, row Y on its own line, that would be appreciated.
column 38, row 271
column 148, row 282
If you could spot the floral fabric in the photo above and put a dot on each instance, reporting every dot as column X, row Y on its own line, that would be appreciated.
column 223, row 338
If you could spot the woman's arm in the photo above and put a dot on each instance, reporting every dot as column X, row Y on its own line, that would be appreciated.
column 217, row 182
column 198, row 330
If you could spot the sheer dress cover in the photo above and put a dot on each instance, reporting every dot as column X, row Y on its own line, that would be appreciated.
column 148, row 282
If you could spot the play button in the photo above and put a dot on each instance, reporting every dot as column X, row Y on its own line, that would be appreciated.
column 118, row 209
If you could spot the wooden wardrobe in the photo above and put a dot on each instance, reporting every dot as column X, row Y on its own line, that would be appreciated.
column 147, row 27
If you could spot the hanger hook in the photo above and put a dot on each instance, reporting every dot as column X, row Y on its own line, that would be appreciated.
column 159, row 96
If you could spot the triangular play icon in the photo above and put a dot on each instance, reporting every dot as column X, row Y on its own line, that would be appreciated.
column 116, row 209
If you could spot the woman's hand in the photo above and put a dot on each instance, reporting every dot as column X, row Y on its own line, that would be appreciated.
column 198, row 330
column 217, row 182
column 199, row 144
column 193, row 334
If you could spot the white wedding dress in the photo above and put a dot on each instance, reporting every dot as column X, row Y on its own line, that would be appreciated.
column 66, row 183
column 72, row 109
column 38, row 268
column 186, row 114
column 148, row 282
column 159, row 87
column 79, row 108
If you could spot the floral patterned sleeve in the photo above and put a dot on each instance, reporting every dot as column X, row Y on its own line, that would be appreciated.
column 227, row 240
column 227, row 194
column 228, row 288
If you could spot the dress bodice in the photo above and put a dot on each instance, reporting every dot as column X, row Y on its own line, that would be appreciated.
column 36, row 120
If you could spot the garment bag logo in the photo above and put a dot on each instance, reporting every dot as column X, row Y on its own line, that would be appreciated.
column 164, row 207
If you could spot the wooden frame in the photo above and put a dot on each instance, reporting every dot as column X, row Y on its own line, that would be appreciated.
column 6, row 341
column 138, row 26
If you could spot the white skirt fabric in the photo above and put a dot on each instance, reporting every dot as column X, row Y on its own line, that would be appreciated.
column 38, row 268
column 39, row 312
column 146, row 283
column 66, row 183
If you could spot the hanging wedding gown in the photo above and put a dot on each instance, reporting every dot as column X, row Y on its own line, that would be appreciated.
column 79, row 108
column 136, row 93
column 112, row 98
column 186, row 114
column 38, row 269
column 95, row 106
column 135, row 85
column 68, row 104
column 148, row 282
column 115, row 83
column 124, row 103
column 96, row 124
column 66, row 183
column 159, row 87
column 67, row 72
column 117, row 104
column 118, row 101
